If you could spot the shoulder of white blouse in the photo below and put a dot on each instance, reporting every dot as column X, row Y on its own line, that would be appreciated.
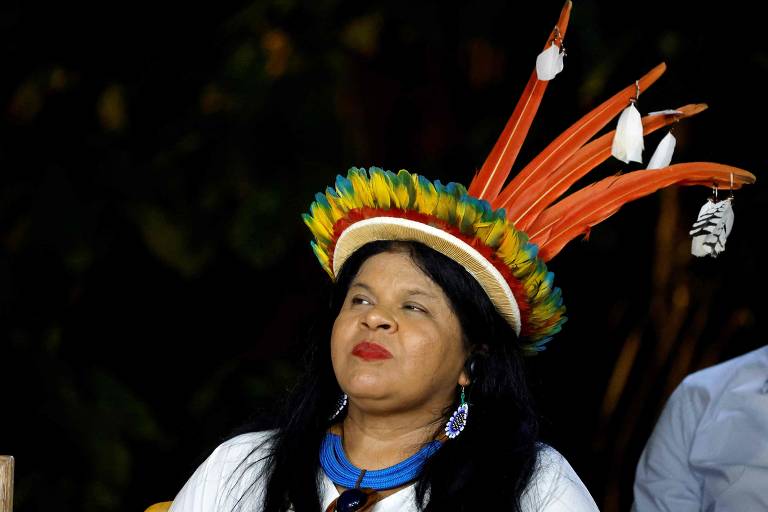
column 226, row 474
column 555, row 486
column 237, row 448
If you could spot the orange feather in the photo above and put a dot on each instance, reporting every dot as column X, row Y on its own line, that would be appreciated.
column 544, row 192
column 572, row 139
column 575, row 214
column 494, row 172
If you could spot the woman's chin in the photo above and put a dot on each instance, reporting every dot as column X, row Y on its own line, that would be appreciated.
column 367, row 386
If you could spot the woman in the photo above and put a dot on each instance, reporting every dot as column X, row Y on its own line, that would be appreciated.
column 412, row 331
column 415, row 397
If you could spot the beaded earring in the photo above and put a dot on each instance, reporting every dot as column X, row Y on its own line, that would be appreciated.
column 341, row 403
column 459, row 418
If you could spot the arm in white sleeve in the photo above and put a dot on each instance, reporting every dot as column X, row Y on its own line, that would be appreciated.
column 555, row 487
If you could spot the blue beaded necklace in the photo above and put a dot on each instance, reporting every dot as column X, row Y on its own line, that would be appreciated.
column 341, row 472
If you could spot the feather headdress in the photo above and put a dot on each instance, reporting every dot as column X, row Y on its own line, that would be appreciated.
column 504, row 232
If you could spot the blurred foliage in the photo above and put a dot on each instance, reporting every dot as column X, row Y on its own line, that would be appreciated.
column 155, row 277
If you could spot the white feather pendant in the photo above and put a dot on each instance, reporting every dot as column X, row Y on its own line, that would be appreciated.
column 712, row 228
column 663, row 154
column 549, row 63
column 628, row 140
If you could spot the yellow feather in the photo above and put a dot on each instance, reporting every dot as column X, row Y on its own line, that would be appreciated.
column 320, row 214
column 426, row 196
column 394, row 199
column 509, row 248
column 336, row 209
column 347, row 201
column 540, row 289
column 320, row 232
column 491, row 232
column 446, row 207
column 362, row 189
column 402, row 189
column 322, row 256
column 482, row 230
column 380, row 189
column 466, row 216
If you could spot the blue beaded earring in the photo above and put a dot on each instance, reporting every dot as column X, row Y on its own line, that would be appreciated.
column 341, row 403
column 459, row 419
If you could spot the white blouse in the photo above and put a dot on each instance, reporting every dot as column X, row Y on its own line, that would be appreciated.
column 223, row 478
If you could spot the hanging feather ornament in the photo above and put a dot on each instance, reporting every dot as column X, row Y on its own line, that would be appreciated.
column 628, row 141
column 663, row 154
column 549, row 63
column 712, row 228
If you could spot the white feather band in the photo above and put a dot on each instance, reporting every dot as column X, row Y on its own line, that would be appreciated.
column 395, row 228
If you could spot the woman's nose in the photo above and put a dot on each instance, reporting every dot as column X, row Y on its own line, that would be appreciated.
column 379, row 317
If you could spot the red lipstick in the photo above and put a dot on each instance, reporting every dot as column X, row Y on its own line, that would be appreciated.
column 370, row 351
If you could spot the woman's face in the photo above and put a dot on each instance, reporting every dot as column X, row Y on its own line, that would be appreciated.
column 396, row 344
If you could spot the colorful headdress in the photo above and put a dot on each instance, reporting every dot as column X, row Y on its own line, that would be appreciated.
column 504, row 234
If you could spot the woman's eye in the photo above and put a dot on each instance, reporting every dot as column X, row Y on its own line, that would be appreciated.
column 360, row 300
column 415, row 307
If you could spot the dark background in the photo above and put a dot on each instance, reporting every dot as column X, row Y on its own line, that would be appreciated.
column 156, row 280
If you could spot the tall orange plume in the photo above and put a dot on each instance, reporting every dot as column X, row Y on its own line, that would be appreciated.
column 494, row 172
column 571, row 140
column 575, row 214
column 543, row 192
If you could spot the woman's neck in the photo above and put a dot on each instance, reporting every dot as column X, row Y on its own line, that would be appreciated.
column 377, row 442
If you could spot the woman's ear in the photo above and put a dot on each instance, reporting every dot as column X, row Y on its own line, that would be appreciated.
column 472, row 366
column 467, row 375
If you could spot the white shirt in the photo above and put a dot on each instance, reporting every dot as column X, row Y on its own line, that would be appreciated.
column 216, row 485
column 709, row 450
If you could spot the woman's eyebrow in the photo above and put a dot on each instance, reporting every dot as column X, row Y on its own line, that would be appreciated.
column 362, row 285
column 415, row 291
column 410, row 292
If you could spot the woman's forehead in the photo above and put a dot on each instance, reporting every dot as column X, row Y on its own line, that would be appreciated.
column 395, row 268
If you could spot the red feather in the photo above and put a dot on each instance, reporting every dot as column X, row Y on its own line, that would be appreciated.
column 543, row 193
column 570, row 141
column 574, row 215
column 494, row 172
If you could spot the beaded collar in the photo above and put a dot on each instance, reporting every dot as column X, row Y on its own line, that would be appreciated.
column 342, row 472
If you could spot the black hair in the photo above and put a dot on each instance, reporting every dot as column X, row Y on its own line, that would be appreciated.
column 488, row 466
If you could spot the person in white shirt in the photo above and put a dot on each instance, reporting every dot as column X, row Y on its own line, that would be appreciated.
column 709, row 449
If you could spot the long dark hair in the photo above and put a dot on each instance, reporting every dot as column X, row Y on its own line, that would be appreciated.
column 488, row 466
